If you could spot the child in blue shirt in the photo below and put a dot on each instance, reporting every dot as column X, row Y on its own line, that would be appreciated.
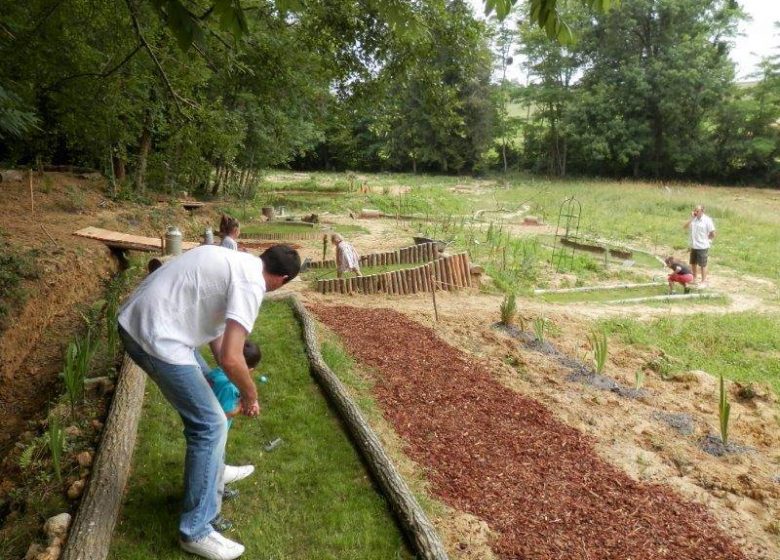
column 228, row 394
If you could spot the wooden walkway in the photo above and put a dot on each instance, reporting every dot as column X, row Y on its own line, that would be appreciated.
column 118, row 240
column 126, row 241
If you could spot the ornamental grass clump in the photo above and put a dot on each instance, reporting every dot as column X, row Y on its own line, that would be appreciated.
column 598, row 341
column 540, row 325
column 508, row 309
column 78, row 357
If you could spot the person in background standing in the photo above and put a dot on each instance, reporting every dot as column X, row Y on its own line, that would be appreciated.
column 702, row 232
column 346, row 256
column 229, row 229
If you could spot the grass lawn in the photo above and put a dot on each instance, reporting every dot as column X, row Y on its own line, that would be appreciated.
column 309, row 498
column 258, row 229
column 744, row 347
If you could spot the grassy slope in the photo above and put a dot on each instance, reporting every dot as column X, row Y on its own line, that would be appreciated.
column 309, row 498
column 744, row 347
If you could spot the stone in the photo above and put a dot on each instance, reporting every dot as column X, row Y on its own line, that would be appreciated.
column 533, row 221
column 33, row 552
column 84, row 458
column 56, row 527
column 72, row 431
column 76, row 489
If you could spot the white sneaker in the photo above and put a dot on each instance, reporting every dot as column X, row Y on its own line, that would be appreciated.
column 214, row 547
column 233, row 474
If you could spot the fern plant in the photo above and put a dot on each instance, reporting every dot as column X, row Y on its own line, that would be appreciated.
column 56, row 445
column 598, row 341
column 540, row 325
column 508, row 309
column 724, row 411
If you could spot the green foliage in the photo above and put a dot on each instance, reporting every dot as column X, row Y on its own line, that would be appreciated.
column 600, row 346
column 15, row 120
column 540, row 325
column 78, row 357
column 724, row 411
column 56, row 440
column 508, row 309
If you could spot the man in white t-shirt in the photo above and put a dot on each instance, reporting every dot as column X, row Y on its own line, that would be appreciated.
column 207, row 295
column 702, row 232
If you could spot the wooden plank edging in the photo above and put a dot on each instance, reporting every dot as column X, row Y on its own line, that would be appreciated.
column 90, row 535
column 412, row 519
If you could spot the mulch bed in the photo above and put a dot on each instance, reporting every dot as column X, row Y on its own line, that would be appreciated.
column 504, row 458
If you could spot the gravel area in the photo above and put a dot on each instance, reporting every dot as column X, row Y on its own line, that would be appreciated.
column 504, row 458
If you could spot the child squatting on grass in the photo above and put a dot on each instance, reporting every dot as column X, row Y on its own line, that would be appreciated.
column 682, row 274
column 229, row 398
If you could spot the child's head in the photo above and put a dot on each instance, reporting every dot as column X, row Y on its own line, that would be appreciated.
column 228, row 225
column 252, row 354
column 336, row 238
column 669, row 261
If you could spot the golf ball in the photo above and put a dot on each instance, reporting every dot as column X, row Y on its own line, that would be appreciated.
column 263, row 379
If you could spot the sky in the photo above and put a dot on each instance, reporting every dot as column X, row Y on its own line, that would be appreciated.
column 758, row 37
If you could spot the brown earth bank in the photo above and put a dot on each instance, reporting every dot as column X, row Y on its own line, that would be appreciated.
column 70, row 275
column 494, row 453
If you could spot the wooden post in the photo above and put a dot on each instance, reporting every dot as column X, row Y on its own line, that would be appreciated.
column 456, row 260
column 430, row 273
column 467, row 268
column 404, row 287
column 419, row 278
column 324, row 247
column 32, row 200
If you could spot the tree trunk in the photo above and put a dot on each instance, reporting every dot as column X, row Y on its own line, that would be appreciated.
column 145, row 146
column 120, row 171
column 90, row 535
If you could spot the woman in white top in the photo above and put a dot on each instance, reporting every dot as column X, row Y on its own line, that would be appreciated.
column 229, row 229
column 346, row 256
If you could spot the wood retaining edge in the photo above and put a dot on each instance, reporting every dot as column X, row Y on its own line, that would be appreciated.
column 412, row 519
column 90, row 535
column 451, row 273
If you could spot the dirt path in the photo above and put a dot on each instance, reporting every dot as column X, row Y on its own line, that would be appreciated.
column 504, row 458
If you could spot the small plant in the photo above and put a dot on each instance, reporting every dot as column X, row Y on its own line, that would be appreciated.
column 508, row 309
column 598, row 342
column 56, row 445
column 639, row 379
column 540, row 325
column 77, row 359
column 724, row 410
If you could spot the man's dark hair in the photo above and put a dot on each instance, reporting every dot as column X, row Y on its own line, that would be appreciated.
column 252, row 354
column 281, row 260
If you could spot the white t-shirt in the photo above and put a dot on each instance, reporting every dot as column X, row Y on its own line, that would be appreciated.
column 185, row 303
column 701, row 228
column 229, row 243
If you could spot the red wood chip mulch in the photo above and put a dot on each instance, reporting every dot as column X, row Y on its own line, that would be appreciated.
column 504, row 458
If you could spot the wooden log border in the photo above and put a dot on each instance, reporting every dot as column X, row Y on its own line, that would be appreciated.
column 451, row 274
column 422, row 253
column 90, row 535
column 412, row 519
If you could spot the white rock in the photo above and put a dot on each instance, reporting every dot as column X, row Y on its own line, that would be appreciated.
column 57, row 526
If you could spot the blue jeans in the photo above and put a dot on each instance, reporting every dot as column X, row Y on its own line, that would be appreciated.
column 205, row 430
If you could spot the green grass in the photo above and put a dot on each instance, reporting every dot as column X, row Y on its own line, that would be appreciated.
column 309, row 498
column 743, row 347
column 601, row 296
column 258, row 229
